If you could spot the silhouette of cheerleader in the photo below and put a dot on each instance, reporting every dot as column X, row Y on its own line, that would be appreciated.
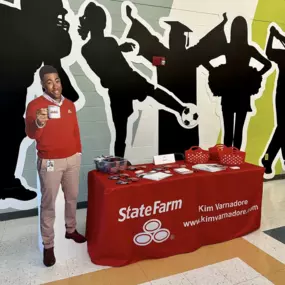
column 235, row 82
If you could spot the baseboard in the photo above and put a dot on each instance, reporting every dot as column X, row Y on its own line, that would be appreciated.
column 30, row 213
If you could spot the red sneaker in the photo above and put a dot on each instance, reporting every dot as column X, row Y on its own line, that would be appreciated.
column 78, row 238
column 49, row 258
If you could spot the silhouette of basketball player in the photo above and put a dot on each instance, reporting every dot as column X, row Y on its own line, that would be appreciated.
column 277, row 142
column 30, row 37
column 236, row 81
column 104, row 56
column 179, row 75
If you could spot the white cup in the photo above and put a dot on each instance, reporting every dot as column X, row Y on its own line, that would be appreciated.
column 53, row 112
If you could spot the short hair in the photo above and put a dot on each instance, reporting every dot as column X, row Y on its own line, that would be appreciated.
column 47, row 69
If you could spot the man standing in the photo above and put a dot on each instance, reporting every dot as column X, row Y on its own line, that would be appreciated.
column 51, row 120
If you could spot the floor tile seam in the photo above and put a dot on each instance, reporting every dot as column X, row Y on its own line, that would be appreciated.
column 144, row 273
column 272, row 254
column 220, row 271
column 271, row 271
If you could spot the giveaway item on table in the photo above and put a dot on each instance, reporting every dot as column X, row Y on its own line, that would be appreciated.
column 173, row 165
column 211, row 167
column 197, row 155
column 110, row 164
column 142, row 174
column 132, row 168
column 215, row 151
column 231, row 156
column 183, row 170
column 157, row 176
column 133, row 179
column 137, row 167
column 121, row 182
column 114, row 177
column 157, row 169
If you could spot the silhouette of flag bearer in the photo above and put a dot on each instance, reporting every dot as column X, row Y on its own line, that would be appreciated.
column 179, row 75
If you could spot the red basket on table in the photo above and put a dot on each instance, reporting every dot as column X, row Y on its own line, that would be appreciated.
column 231, row 156
column 214, row 152
column 196, row 155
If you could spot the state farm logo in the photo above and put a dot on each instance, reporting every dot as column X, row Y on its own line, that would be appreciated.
column 158, row 207
column 152, row 232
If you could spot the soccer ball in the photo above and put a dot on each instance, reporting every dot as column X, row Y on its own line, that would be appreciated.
column 190, row 116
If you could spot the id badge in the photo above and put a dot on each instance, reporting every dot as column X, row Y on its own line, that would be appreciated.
column 50, row 165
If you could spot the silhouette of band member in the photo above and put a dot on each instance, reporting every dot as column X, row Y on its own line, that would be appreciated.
column 236, row 81
column 104, row 56
column 179, row 75
column 30, row 37
column 277, row 142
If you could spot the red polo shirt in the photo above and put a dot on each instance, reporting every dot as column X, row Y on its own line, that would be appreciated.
column 60, row 138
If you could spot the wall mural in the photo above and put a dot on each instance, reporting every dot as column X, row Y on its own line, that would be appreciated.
column 122, row 83
column 33, row 32
column 237, row 81
column 179, row 75
column 276, row 144
column 236, row 68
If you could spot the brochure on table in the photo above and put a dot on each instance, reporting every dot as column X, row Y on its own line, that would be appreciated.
column 157, row 176
column 211, row 167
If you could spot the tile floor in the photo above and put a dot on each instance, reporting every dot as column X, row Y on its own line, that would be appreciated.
column 229, row 272
column 256, row 259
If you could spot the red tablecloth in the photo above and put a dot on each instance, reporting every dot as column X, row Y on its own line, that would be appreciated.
column 147, row 219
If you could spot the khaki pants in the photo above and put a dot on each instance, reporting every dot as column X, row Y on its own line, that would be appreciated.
column 66, row 173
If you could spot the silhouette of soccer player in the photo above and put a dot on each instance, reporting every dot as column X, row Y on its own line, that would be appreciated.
column 35, row 35
column 179, row 75
column 277, row 142
column 104, row 56
column 236, row 81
